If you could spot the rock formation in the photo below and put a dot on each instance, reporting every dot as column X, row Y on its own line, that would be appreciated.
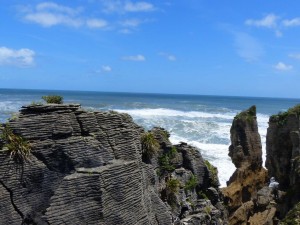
column 246, row 154
column 283, row 154
column 91, row 168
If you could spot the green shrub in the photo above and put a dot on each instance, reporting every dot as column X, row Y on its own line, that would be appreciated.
column 165, row 164
column 247, row 115
column 172, row 153
column 172, row 186
column 56, row 99
column 16, row 146
column 149, row 145
column 213, row 171
column 281, row 117
column 191, row 183
column 202, row 195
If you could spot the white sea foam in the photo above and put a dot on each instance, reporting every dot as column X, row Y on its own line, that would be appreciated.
column 162, row 112
column 210, row 132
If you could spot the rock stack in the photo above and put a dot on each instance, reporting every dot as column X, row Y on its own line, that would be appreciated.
column 246, row 154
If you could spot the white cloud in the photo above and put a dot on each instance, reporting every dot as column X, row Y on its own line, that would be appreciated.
column 138, row 7
column 106, row 68
column 269, row 21
column 131, row 23
column 134, row 58
column 48, row 14
column 168, row 56
column 51, row 19
column 248, row 47
column 295, row 55
column 291, row 23
column 121, row 6
column 96, row 23
column 45, row 6
column 283, row 67
column 23, row 57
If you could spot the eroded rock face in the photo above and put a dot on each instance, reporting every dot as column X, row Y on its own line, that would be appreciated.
column 88, row 168
column 283, row 148
column 246, row 153
column 283, row 153
column 85, row 168
column 245, row 149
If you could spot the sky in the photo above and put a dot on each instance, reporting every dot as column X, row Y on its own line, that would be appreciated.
column 233, row 48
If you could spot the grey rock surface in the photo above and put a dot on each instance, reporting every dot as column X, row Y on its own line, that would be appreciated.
column 87, row 168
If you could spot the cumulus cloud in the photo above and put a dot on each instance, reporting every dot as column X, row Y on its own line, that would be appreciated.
column 106, row 68
column 269, row 21
column 291, row 23
column 168, row 56
column 23, row 57
column 283, row 67
column 248, row 47
column 134, row 58
column 48, row 14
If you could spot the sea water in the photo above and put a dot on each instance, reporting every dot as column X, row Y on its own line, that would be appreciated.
column 201, row 121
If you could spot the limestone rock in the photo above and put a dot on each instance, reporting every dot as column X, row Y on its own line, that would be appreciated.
column 88, row 168
column 246, row 153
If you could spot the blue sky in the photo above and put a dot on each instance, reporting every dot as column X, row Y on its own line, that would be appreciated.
column 237, row 48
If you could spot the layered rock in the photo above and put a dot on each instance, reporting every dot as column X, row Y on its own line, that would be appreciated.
column 84, row 168
column 283, row 153
column 246, row 153
column 90, row 168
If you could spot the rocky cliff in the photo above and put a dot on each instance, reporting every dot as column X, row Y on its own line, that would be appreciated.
column 283, row 154
column 249, row 177
column 60, row 164
column 251, row 201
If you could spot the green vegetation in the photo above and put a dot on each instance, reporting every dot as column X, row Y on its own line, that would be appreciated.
column 16, row 146
column 172, row 153
column 149, row 145
column 164, row 161
column 172, row 186
column 34, row 103
column 55, row 99
column 281, row 117
column 191, row 183
column 248, row 115
column 165, row 164
column 13, row 117
column 202, row 195
column 165, row 133
column 214, row 173
column 293, row 216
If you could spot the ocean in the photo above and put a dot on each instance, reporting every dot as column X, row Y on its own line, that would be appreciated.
column 202, row 121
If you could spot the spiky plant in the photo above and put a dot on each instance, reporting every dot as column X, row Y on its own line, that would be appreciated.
column 149, row 145
column 16, row 146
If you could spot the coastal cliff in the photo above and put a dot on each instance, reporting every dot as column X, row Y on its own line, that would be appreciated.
column 250, row 199
column 283, row 155
column 249, row 177
column 85, row 167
